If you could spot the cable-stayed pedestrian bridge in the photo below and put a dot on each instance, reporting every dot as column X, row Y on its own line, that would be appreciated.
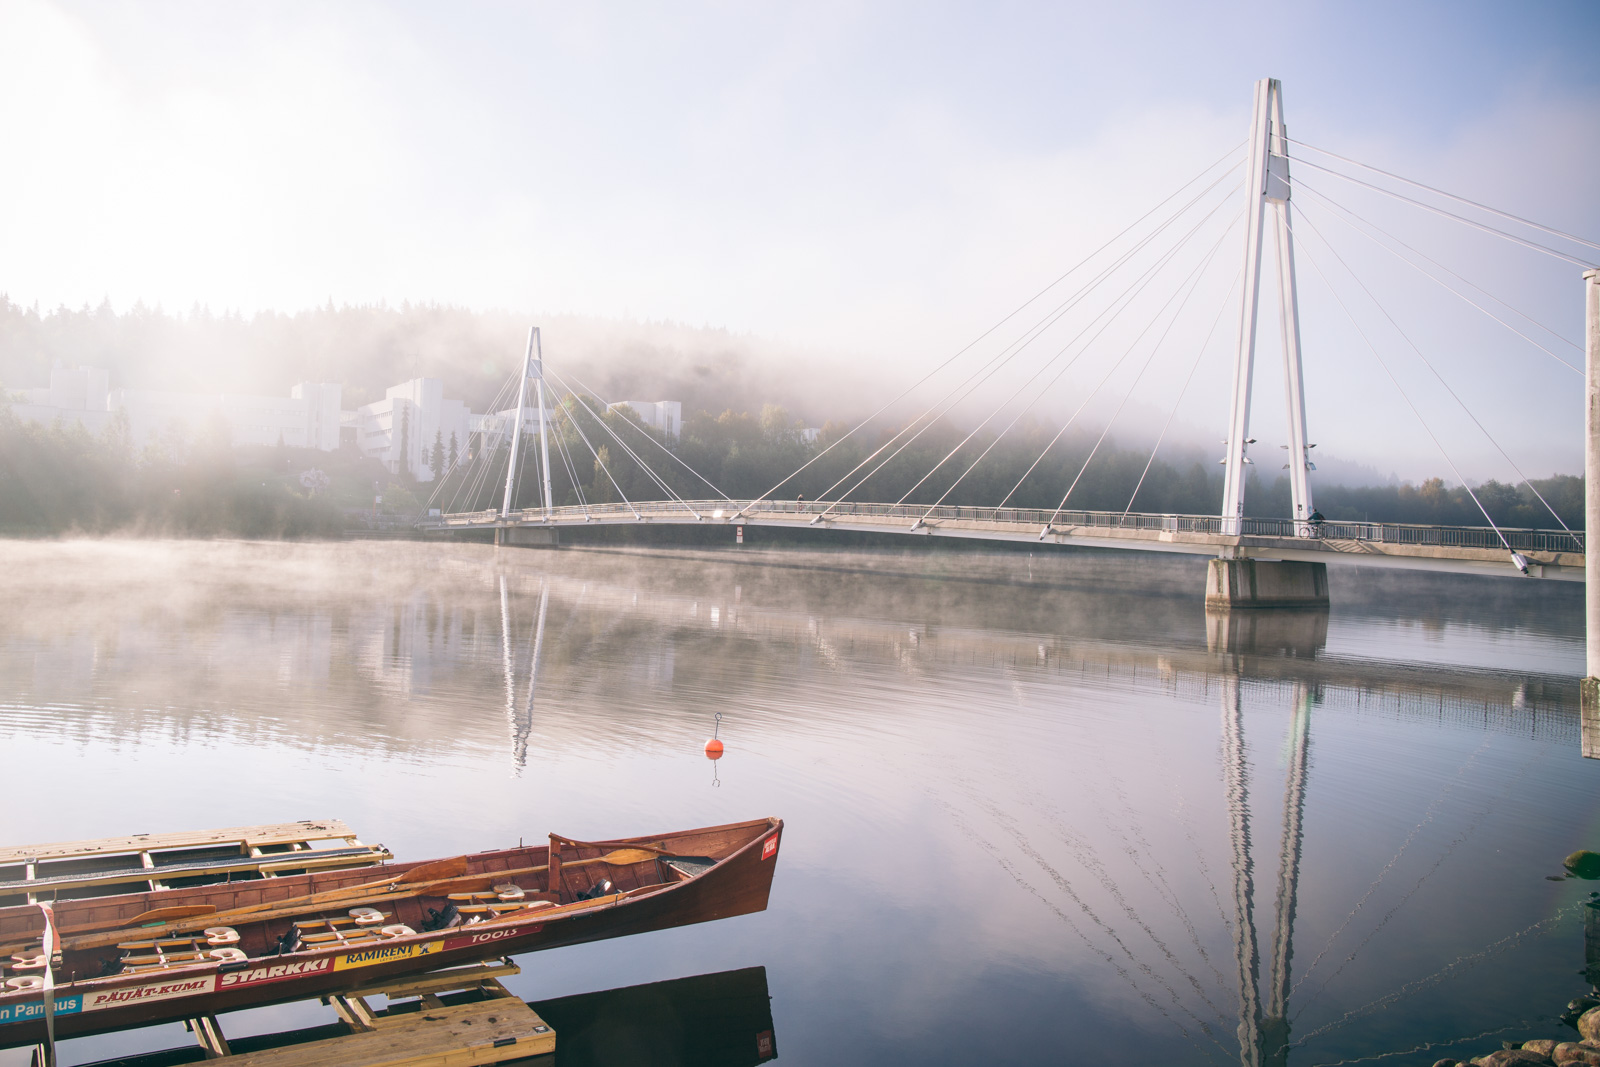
column 1472, row 550
column 1137, row 316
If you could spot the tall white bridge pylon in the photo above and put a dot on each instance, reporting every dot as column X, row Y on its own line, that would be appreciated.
column 1267, row 188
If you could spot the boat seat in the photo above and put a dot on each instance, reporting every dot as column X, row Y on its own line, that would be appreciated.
column 689, row 866
column 162, row 953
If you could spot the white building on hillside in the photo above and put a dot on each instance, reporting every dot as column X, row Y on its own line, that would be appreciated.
column 663, row 415
column 403, row 427
column 72, row 396
column 295, row 421
column 307, row 418
column 322, row 413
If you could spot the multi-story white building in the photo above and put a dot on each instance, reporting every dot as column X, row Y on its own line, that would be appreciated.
column 73, row 395
column 296, row 421
column 403, row 427
column 307, row 418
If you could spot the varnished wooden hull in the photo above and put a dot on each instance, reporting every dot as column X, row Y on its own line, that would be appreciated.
column 738, row 884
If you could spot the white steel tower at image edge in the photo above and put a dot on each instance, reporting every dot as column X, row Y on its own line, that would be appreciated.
column 1267, row 184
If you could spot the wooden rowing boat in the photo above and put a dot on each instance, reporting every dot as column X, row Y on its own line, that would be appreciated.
column 115, row 865
column 139, row 958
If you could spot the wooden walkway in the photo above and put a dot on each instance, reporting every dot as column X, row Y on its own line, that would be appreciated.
column 458, row 1017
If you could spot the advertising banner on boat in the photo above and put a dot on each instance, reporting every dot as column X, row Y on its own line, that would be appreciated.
column 366, row 957
column 489, row 937
column 277, row 972
column 769, row 848
column 138, row 994
column 34, row 1009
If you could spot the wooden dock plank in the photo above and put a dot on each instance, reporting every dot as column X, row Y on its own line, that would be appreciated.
column 244, row 836
column 460, row 1035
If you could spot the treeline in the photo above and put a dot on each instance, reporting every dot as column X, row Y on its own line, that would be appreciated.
column 596, row 459
column 60, row 478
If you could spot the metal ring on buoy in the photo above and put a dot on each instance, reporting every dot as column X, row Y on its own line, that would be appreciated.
column 221, row 935
column 397, row 930
column 228, row 955
column 20, row 962
column 366, row 916
column 25, row 981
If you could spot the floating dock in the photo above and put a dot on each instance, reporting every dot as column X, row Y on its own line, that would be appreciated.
column 458, row 1017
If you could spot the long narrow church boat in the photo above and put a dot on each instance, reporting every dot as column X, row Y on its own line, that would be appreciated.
column 107, row 963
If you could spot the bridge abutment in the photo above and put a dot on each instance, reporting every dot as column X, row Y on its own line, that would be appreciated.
column 527, row 537
column 1251, row 583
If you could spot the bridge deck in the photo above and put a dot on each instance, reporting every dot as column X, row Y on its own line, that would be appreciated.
column 1461, row 549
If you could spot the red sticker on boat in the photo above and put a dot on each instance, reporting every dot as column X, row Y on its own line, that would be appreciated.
column 489, row 936
column 116, row 998
column 276, row 972
column 770, row 848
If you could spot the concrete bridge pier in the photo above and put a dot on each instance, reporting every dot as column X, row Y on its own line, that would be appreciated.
column 1255, row 583
column 526, row 537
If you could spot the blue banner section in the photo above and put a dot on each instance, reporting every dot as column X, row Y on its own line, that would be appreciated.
column 34, row 1009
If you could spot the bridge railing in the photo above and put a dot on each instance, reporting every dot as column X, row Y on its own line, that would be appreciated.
column 1525, row 540
column 910, row 515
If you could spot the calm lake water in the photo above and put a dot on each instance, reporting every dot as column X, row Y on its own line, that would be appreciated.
column 1040, row 809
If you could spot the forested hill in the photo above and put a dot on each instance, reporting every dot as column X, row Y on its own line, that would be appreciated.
column 59, row 478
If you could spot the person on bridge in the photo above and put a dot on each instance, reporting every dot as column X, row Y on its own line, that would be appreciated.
column 800, row 502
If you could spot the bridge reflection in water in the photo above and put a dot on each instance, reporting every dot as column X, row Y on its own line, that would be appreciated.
column 1241, row 648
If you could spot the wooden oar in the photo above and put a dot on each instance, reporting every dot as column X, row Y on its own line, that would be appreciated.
column 154, row 917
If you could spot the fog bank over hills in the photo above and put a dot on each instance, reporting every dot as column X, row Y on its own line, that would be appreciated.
column 369, row 348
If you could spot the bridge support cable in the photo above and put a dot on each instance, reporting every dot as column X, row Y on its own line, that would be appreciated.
column 649, row 473
column 466, row 464
column 1407, row 398
column 570, row 467
column 602, row 464
column 1449, row 196
column 1356, row 222
column 627, row 450
column 670, row 453
column 483, row 458
column 1137, row 378
column 1193, row 282
column 962, row 390
column 1441, row 380
column 1083, row 403
column 1222, row 309
column 1513, row 238
column 1003, row 320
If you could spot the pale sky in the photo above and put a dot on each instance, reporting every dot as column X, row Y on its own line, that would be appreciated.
column 872, row 182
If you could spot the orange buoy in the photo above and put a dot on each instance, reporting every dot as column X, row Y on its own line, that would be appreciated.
column 713, row 749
